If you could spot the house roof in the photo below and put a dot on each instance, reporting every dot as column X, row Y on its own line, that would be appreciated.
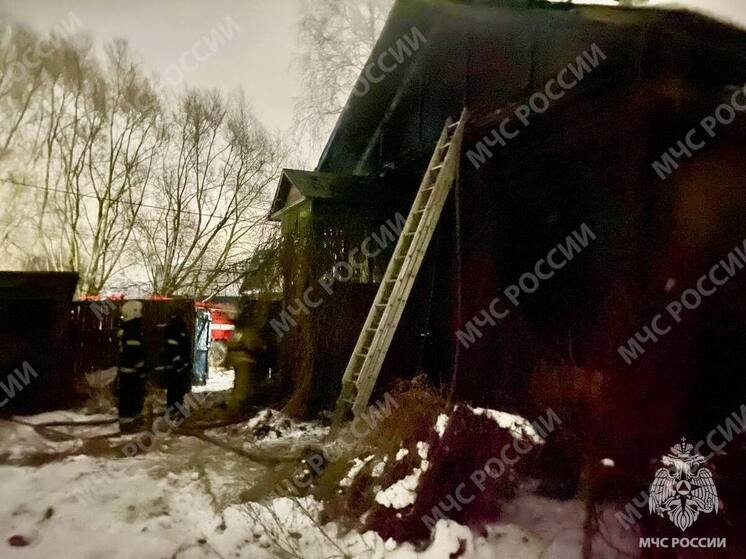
column 716, row 50
column 296, row 186
column 362, row 113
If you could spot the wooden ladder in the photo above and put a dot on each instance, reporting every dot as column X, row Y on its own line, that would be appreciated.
column 384, row 315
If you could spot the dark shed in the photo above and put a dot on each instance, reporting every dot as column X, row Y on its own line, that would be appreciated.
column 36, row 372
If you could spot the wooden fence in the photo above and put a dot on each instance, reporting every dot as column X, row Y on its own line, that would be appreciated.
column 94, row 326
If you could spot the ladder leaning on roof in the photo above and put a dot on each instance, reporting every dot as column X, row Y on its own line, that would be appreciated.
column 383, row 318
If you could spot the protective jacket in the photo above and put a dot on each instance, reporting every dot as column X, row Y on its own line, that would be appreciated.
column 132, row 370
column 178, row 362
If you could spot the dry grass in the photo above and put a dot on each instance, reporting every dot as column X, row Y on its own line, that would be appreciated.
column 468, row 442
column 411, row 421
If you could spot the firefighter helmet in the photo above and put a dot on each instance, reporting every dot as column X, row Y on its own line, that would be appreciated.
column 131, row 310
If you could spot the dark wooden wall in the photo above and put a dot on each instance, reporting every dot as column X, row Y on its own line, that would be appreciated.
column 35, row 329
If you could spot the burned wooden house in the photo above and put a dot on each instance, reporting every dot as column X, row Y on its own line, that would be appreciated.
column 597, row 181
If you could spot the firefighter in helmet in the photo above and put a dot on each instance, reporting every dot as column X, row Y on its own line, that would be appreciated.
column 178, row 363
column 132, row 367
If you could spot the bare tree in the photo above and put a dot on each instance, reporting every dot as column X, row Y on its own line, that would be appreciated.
column 20, row 79
column 336, row 39
column 19, row 84
column 114, row 181
column 11, row 219
column 212, row 191
column 120, row 166
column 262, row 272
column 84, row 146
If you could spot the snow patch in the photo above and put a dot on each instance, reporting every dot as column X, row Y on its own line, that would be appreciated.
column 357, row 465
column 403, row 493
column 379, row 467
column 518, row 426
column 441, row 424
column 402, row 453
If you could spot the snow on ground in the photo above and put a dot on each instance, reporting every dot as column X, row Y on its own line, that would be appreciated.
column 217, row 380
column 560, row 525
column 183, row 500
column 169, row 502
column 133, row 514
column 501, row 542
column 272, row 431
column 23, row 440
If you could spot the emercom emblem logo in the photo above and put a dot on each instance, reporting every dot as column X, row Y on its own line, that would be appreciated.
column 684, row 488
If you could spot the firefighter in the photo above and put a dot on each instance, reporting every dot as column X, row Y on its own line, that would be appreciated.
column 243, row 350
column 246, row 354
column 178, row 366
column 132, row 371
